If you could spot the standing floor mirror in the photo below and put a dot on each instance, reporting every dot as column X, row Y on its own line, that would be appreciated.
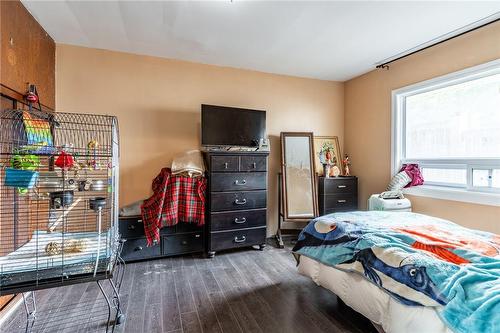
column 298, row 201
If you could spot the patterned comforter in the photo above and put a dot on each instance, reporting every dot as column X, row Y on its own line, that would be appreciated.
column 419, row 260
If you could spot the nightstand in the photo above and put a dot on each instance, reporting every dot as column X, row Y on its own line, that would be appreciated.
column 337, row 194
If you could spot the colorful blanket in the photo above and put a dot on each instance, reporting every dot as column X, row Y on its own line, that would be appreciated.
column 419, row 260
column 175, row 199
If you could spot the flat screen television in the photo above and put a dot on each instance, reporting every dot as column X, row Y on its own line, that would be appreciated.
column 227, row 126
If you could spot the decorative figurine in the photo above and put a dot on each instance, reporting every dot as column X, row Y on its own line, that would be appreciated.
column 335, row 171
column 347, row 163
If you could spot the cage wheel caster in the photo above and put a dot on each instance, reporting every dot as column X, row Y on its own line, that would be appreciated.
column 120, row 319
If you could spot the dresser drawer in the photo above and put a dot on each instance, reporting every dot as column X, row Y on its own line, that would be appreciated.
column 224, row 163
column 181, row 227
column 338, row 185
column 221, row 201
column 253, row 163
column 238, row 219
column 131, row 227
column 237, row 238
column 238, row 181
column 136, row 249
column 339, row 202
column 182, row 243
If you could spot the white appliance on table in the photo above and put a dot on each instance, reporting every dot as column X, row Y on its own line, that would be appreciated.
column 389, row 201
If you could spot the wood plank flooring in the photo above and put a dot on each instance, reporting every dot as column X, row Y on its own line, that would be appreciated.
column 237, row 291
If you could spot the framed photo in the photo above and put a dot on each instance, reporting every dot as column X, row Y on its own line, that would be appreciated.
column 327, row 151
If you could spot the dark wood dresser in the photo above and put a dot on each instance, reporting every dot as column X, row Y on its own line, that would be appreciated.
column 236, row 200
column 338, row 194
column 182, row 238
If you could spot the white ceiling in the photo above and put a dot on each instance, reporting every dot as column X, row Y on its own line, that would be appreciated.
column 325, row 40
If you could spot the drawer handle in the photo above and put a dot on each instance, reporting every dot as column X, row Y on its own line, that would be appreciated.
column 240, row 221
column 131, row 227
column 240, row 202
column 254, row 165
column 341, row 201
column 226, row 165
column 342, row 186
column 240, row 239
column 139, row 248
column 237, row 182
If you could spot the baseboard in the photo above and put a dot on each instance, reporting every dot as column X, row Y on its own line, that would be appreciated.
column 10, row 308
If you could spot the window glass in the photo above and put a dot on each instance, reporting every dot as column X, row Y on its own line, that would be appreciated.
column 445, row 176
column 458, row 121
column 496, row 178
column 480, row 178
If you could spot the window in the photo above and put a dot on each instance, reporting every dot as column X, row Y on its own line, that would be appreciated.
column 450, row 126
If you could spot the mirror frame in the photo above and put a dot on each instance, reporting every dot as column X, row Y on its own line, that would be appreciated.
column 284, row 187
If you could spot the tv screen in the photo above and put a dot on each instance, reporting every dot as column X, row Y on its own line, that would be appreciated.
column 226, row 126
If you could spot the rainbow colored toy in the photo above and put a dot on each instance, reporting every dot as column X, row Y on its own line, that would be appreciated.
column 38, row 134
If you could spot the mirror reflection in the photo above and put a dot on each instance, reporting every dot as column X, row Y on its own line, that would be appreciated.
column 298, row 175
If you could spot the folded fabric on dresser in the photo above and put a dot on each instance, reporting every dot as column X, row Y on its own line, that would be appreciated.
column 189, row 164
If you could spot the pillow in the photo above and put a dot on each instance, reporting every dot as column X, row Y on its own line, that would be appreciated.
column 399, row 181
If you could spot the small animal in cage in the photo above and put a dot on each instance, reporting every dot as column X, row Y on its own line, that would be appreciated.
column 69, row 246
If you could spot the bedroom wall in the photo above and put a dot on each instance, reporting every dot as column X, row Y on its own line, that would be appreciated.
column 368, row 120
column 157, row 102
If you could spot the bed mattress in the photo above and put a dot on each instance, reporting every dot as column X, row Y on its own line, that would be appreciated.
column 30, row 262
column 371, row 301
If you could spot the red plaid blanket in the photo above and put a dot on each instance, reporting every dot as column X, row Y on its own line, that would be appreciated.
column 175, row 199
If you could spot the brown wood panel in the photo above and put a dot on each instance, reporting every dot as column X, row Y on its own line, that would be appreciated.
column 27, row 53
column 5, row 299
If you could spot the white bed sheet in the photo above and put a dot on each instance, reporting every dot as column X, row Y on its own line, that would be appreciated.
column 32, row 256
column 371, row 301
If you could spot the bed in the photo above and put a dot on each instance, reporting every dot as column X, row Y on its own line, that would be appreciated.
column 406, row 272
column 31, row 262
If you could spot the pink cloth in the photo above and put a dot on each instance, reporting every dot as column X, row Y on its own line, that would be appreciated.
column 414, row 172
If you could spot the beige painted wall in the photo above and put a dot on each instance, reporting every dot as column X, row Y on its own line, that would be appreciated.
column 368, row 120
column 157, row 102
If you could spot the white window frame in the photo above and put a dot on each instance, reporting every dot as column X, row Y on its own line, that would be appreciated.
column 468, row 192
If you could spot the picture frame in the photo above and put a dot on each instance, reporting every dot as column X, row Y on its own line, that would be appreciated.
column 329, row 141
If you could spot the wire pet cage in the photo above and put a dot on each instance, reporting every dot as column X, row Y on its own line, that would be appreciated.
column 58, row 199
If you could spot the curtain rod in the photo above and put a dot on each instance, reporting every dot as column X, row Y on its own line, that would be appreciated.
column 441, row 39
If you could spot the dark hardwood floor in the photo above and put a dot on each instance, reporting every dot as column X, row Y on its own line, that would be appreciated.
column 237, row 291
